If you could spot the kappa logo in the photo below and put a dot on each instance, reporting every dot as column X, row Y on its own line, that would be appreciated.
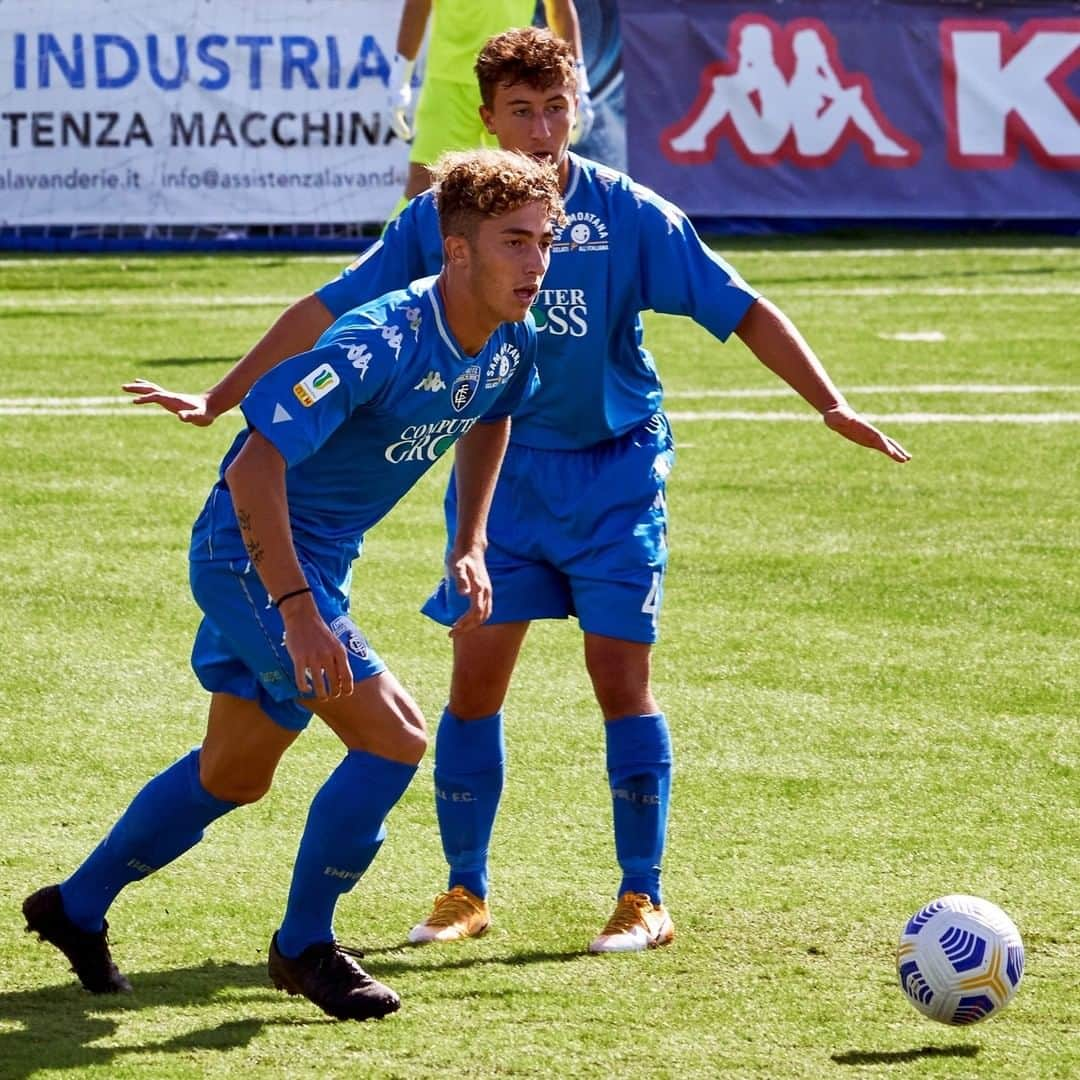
column 316, row 385
column 784, row 94
column 393, row 337
column 432, row 381
column 464, row 387
column 359, row 356
column 344, row 628
column 503, row 364
column 391, row 334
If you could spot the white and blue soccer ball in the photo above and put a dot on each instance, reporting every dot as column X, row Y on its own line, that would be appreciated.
column 960, row 959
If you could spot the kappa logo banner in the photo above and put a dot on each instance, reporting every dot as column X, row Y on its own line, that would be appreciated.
column 785, row 93
column 830, row 109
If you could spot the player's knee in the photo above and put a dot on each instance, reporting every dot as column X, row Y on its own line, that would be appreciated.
column 621, row 687
column 474, row 704
column 411, row 741
column 475, row 694
column 625, row 701
column 231, row 784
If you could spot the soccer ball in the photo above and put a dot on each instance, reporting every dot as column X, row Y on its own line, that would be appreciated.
column 960, row 959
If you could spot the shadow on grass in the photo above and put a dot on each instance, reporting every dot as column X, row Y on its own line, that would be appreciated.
column 188, row 361
column 439, row 958
column 896, row 1057
column 57, row 1025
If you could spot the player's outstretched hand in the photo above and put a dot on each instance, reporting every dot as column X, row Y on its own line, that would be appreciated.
column 190, row 408
column 470, row 577
column 845, row 421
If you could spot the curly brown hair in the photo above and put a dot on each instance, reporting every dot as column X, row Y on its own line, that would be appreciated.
column 529, row 55
column 474, row 184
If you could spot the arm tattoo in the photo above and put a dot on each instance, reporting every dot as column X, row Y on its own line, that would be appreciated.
column 254, row 550
column 253, row 547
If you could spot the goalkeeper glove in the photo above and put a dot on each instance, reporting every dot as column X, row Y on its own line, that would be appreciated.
column 399, row 95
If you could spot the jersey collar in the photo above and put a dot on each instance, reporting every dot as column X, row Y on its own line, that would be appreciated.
column 572, row 179
column 440, row 320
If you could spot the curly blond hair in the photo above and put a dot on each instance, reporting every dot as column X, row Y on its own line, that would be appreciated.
column 530, row 55
column 474, row 184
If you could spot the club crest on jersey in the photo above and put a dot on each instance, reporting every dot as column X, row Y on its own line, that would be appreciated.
column 351, row 637
column 584, row 231
column 503, row 364
column 317, row 384
column 463, row 389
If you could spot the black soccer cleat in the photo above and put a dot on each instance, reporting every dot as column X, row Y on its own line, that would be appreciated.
column 326, row 974
column 87, row 951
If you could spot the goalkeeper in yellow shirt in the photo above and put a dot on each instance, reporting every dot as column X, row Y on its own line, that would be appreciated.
column 448, row 110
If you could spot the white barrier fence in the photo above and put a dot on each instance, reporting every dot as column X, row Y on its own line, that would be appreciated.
column 197, row 112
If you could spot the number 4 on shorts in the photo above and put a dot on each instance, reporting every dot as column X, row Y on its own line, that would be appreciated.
column 652, row 600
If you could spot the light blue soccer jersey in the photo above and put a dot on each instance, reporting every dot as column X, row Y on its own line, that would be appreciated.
column 385, row 392
column 624, row 250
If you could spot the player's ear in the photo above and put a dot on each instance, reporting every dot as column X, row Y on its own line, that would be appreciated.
column 456, row 251
column 487, row 118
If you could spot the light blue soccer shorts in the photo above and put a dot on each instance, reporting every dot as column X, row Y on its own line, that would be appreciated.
column 577, row 532
column 240, row 644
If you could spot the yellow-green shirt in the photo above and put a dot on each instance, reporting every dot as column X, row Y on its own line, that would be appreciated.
column 459, row 29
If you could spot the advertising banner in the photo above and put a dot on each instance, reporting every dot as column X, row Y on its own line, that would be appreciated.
column 197, row 111
column 832, row 109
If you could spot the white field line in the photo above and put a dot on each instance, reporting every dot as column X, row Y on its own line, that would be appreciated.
column 678, row 416
column 916, row 388
column 91, row 302
column 117, row 405
column 78, row 410
column 132, row 301
column 935, row 290
column 889, row 418
column 119, row 400
column 801, row 253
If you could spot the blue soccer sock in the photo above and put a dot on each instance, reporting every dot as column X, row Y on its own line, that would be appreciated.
column 344, row 831
column 470, row 761
column 165, row 818
column 639, row 771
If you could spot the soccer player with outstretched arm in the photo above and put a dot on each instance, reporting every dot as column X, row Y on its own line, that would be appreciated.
column 578, row 523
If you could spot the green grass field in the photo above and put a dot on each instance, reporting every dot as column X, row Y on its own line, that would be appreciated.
column 870, row 670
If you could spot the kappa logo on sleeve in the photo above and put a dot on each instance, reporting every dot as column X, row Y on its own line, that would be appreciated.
column 359, row 356
column 316, row 385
